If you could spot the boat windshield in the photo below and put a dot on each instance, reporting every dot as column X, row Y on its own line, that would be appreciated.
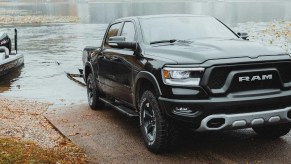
column 157, row 29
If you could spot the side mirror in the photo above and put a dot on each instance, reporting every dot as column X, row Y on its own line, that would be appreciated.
column 119, row 42
column 243, row 35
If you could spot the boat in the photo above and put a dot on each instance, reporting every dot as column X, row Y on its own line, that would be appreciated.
column 9, row 59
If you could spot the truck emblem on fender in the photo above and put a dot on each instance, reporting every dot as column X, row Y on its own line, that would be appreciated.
column 256, row 78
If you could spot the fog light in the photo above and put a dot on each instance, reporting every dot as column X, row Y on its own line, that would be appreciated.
column 183, row 109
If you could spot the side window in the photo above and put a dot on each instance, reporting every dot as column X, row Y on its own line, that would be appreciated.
column 113, row 31
column 128, row 31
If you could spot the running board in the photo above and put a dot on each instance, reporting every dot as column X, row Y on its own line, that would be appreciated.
column 124, row 110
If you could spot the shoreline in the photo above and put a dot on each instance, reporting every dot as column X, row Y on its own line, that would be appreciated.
column 274, row 33
column 36, row 19
column 22, row 121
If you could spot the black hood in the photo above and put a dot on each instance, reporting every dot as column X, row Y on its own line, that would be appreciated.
column 199, row 51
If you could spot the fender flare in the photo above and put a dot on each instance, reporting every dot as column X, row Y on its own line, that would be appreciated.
column 88, row 64
column 149, row 76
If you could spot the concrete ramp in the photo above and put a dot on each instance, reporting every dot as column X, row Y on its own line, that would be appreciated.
column 109, row 137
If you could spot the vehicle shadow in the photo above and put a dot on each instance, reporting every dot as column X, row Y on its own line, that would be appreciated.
column 224, row 147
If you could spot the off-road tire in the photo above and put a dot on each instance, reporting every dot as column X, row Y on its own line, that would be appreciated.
column 272, row 131
column 93, row 94
column 165, row 133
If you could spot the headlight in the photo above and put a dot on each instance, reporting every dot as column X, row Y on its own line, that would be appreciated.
column 182, row 76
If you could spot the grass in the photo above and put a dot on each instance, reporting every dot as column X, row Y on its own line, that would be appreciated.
column 17, row 151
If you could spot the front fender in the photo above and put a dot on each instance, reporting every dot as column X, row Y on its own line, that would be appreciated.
column 88, row 68
column 150, row 77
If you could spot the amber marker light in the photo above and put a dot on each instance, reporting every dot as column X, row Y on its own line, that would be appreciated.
column 166, row 74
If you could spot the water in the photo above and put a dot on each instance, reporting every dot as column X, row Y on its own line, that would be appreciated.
column 51, row 50
column 90, row 11
column 228, row 12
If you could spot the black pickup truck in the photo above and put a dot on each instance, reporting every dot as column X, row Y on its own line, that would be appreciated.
column 184, row 71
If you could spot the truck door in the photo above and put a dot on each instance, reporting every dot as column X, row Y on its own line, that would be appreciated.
column 122, row 65
column 105, row 60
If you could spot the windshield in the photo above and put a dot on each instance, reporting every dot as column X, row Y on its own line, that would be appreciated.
column 183, row 28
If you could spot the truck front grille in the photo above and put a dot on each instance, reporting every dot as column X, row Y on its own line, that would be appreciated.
column 237, row 87
column 219, row 74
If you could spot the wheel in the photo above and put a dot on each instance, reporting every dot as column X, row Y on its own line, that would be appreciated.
column 92, row 93
column 273, row 131
column 157, row 132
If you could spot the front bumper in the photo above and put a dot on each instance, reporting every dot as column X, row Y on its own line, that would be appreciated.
column 245, row 120
column 227, row 106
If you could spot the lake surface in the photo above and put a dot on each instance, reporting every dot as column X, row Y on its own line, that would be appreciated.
column 51, row 50
column 229, row 11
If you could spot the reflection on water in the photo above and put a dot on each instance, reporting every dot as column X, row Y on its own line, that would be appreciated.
column 7, row 80
column 45, row 46
column 231, row 11
column 228, row 12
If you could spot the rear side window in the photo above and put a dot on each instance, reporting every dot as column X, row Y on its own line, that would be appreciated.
column 128, row 31
column 113, row 31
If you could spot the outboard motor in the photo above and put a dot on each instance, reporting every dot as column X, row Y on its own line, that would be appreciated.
column 6, row 42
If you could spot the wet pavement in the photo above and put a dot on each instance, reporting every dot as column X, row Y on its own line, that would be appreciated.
column 109, row 137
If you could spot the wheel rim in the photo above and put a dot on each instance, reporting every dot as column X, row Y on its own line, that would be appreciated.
column 149, row 121
column 90, row 91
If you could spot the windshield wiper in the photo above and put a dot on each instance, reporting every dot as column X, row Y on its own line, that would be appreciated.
column 185, row 41
column 164, row 41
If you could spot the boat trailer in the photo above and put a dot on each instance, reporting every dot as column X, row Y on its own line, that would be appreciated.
column 75, row 77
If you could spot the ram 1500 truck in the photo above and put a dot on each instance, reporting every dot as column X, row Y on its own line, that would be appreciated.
column 186, row 71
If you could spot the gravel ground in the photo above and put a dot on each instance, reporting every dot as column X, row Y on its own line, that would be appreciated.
column 275, row 33
column 24, row 120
